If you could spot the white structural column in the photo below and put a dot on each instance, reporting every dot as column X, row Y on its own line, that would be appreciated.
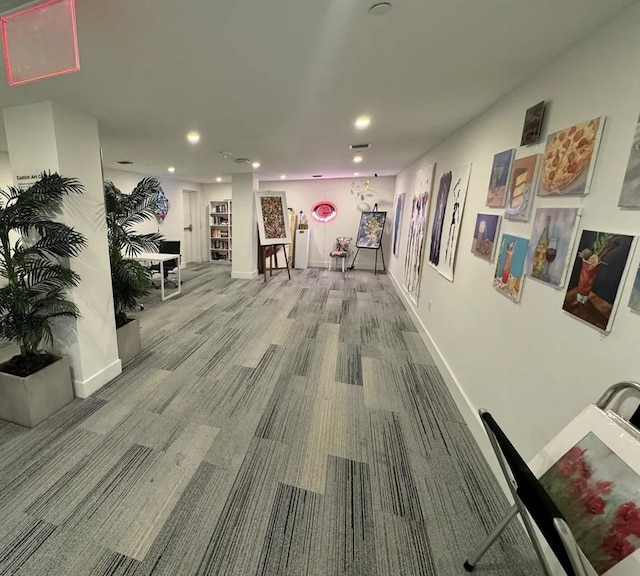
column 47, row 136
column 245, row 254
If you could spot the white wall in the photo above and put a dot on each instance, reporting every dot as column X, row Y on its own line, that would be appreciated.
column 303, row 194
column 531, row 364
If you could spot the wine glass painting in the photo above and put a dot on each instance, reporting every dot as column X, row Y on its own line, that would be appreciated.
column 552, row 240
column 596, row 279
column 485, row 236
column 509, row 274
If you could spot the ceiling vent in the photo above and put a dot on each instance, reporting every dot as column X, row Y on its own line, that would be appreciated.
column 359, row 146
column 125, row 162
column 242, row 161
column 316, row 176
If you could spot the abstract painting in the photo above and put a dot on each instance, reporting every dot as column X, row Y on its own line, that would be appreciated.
column 485, row 236
column 634, row 301
column 414, row 258
column 448, row 219
column 630, row 195
column 499, row 181
column 371, row 229
column 397, row 224
column 522, row 184
column 551, row 246
column 599, row 496
column 595, row 284
column 509, row 274
column 273, row 218
column 570, row 159
column 532, row 124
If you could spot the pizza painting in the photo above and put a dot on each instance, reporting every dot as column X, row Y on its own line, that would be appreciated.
column 569, row 159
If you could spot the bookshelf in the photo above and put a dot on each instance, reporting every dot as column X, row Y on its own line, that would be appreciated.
column 220, row 231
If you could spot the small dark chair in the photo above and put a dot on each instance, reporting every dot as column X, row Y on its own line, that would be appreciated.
column 167, row 247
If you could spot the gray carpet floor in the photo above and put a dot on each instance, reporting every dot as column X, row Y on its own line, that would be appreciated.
column 290, row 428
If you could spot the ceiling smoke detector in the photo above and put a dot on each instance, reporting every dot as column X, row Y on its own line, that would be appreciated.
column 380, row 8
column 226, row 154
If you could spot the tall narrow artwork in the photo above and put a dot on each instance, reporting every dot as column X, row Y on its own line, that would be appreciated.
column 596, row 280
column 630, row 195
column 371, row 229
column 522, row 188
column 499, row 181
column 414, row 257
column 273, row 218
column 397, row 224
column 551, row 246
column 448, row 219
column 634, row 301
column 485, row 236
column 509, row 275
column 570, row 159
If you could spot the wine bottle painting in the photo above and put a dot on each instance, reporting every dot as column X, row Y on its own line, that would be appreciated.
column 552, row 239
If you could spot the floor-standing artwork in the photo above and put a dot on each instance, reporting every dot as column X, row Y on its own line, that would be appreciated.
column 595, row 285
column 551, row 246
column 414, row 258
column 570, row 158
column 522, row 188
column 371, row 229
column 499, row 181
column 630, row 195
column 448, row 218
column 397, row 224
column 509, row 274
column 485, row 236
column 273, row 218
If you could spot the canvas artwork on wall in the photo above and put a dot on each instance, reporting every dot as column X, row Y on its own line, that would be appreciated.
column 596, row 280
column 371, row 229
column 414, row 258
column 397, row 224
column 485, row 236
column 522, row 188
column 509, row 275
column 273, row 218
column 448, row 219
column 533, row 124
column 630, row 195
column 551, row 246
column 634, row 301
column 499, row 181
column 570, row 158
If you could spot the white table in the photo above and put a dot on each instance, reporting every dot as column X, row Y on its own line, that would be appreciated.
column 161, row 259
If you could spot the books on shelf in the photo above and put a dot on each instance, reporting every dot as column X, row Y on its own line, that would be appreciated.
column 219, row 214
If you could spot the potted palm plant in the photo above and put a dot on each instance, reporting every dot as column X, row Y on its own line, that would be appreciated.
column 130, row 279
column 34, row 384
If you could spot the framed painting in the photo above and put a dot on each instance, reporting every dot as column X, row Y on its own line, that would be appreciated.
column 416, row 240
column 634, row 300
column 533, row 120
column 630, row 195
column 551, row 245
column 522, row 188
column 591, row 471
column 509, row 275
column 596, row 279
column 397, row 224
column 485, row 236
column 371, row 229
column 273, row 218
column 445, row 231
column 499, row 181
column 570, row 159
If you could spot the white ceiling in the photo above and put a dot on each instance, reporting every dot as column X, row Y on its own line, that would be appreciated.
column 281, row 81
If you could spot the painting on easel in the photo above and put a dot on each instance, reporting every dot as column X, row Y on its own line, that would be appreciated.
column 273, row 218
column 371, row 229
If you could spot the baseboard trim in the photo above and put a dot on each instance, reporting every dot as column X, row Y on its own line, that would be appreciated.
column 97, row 381
column 244, row 275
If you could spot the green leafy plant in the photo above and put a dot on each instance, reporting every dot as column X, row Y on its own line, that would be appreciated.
column 35, row 294
column 129, row 278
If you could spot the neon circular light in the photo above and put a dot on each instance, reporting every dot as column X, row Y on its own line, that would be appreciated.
column 324, row 211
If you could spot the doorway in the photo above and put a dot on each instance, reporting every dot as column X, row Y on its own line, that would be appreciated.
column 191, row 245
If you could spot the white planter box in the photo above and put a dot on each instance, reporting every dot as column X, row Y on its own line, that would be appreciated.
column 129, row 341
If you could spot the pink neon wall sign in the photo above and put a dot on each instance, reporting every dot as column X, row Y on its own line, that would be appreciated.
column 40, row 42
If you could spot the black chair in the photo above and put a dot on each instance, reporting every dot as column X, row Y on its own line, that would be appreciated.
column 168, row 247
column 532, row 501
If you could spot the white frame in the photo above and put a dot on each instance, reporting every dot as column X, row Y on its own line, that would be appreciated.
column 259, row 217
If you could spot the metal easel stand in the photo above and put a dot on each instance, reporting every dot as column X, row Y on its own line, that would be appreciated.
column 606, row 402
column 375, row 266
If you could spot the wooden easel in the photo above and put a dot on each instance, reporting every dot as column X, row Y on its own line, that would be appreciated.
column 263, row 252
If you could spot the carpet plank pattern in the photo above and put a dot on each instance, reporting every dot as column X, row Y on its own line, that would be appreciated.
column 293, row 428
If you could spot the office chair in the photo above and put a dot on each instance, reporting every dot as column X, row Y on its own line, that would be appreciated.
column 167, row 247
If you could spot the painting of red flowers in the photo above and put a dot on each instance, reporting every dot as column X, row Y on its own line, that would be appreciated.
column 599, row 495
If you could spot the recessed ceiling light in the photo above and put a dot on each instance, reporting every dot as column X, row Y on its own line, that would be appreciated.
column 255, row 165
column 356, row 173
column 380, row 8
column 358, row 158
column 219, row 179
column 171, row 169
column 193, row 137
column 283, row 176
column 362, row 122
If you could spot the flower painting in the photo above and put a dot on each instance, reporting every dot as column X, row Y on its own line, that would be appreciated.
column 371, row 229
column 599, row 496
